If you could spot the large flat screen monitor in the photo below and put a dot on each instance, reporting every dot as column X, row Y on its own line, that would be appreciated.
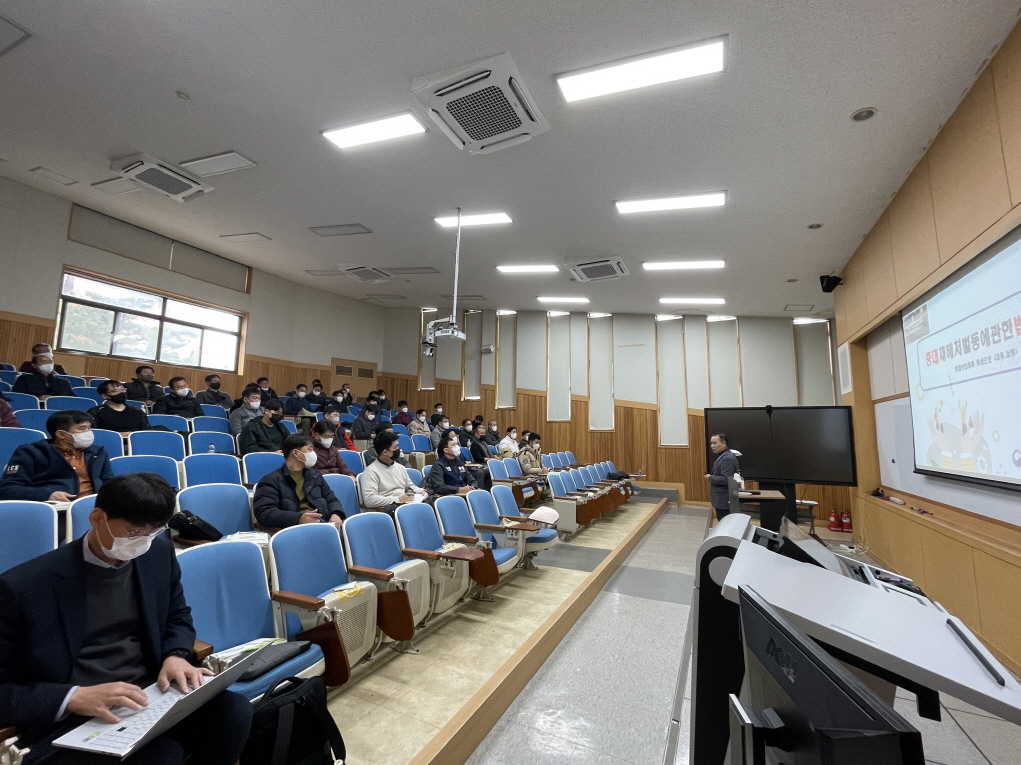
column 963, row 344
column 813, row 444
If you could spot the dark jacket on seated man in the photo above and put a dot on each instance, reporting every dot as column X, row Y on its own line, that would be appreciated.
column 143, row 391
column 38, row 469
column 174, row 404
column 128, row 420
column 448, row 475
column 276, row 503
column 256, row 436
column 37, row 384
column 28, row 366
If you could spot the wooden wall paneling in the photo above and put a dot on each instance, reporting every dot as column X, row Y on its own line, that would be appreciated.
column 997, row 583
column 840, row 314
column 969, row 177
column 1006, row 69
column 866, row 447
column 950, row 574
column 855, row 309
column 906, row 556
column 880, row 284
column 18, row 334
column 915, row 252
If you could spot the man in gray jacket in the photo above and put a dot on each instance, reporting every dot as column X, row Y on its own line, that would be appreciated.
column 250, row 409
column 723, row 468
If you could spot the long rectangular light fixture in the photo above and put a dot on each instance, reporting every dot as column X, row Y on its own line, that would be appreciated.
column 720, row 318
column 641, row 72
column 505, row 312
column 689, row 202
column 598, row 315
column 681, row 265
column 483, row 219
column 809, row 320
column 554, row 314
column 539, row 269
column 692, row 301
column 563, row 300
column 667, row 317
column 378, row 130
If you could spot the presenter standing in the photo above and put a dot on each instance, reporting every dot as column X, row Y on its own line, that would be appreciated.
column 723, row 469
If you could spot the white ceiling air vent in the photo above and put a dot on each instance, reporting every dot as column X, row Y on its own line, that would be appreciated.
column 483, row 107
column 358, row 273
column 598, row 269
column 159, row 176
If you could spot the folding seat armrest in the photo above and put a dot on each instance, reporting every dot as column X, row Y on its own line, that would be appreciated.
column 190, row 542
column 576, row 494
column 412, row 552
column 566, row 499
column 526, row 527
column 491, row 527
column 371, row 573
column 519, row 518
column 201, row 649
column 308, row 602
column 462, row 553
column 465, row 540
column 606, row 483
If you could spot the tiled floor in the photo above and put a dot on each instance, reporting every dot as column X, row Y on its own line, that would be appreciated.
column 390, row 712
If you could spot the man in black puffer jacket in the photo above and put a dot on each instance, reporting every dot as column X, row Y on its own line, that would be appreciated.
column 296, row 493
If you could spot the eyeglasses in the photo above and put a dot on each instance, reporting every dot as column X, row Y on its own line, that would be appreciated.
column 136, row 533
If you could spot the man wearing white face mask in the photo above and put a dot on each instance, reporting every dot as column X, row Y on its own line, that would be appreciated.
column 117, row 622
column 364, row 427
column 179, row 401
column 420, row 425
column 403, row 417
column 297, row 492
column 61, row 469
column 42, row 381
column 250, row 409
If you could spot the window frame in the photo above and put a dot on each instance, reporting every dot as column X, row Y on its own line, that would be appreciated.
column 161, row 317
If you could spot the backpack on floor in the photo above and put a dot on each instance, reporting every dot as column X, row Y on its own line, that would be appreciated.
column 292, row 726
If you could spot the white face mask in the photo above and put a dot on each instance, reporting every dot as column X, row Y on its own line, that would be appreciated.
column 254, row 405
column 340, row 399
column 310, row 459
column 317, row 391
column 45, row 368
column 83, row 440
column 370, row 417
column 422, row 418
column 326, row 443
column 514, row 436
column 127, row 548
column 301, row 394
column 404, row 409
column 263, row 387
column 495, row 428
column 334, row 420
column 183, row 392
column 439, row 410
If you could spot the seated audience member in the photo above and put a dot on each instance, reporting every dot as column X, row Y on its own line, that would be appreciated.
column 267, row 433
column 530, row 456
column 296, row 492
column 524, row 439
column 267, row 392
column 386, row 484
column 343, row 397
column 479, row 420
column 298, row 402
column 509, row 445
column 437, row 414
column 66, row 466
column 442, row 425
column 479, row 449
column 370, row 455
column 364, row 428
column 371, row 400
column 116, row 623
column 250, row 409
column 212, row 395
column 382, row 401
column 420, row 425
column 492, row 434
column 332, row 416
column 179, row 401
column 114, row 414
column 403, row 417
column 143, row 386
column 449, row 474
column 7, row 417
column 465, row 432
column 42, row 382
column 40, row 349
column 316, row 396
column 328, row 459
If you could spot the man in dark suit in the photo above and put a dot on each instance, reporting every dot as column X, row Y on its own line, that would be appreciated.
column 87, row 626
column 723, row 468
column 42, row 382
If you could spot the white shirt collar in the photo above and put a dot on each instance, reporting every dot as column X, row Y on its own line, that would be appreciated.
column 91, row 557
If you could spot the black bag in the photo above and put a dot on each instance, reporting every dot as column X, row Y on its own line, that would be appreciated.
column 292, row 726
column 273, row 656
column 617, row 475
column 190, row 526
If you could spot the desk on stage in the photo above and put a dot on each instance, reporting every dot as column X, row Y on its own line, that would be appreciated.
column 772, row 506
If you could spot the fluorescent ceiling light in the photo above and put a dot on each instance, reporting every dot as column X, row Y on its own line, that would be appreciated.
column 689, row 202
column 379, row 130
column 809, row 320
column 680, row 265
column 597, row 315
column 721, row 318
column 549, row 269
column 505, row 313
column 429, row 310
column 692, row 301
column 473, row 398
column 563, row 300
column 483, row 219
column 641, row 72
column 554, row 314
column 667, row 317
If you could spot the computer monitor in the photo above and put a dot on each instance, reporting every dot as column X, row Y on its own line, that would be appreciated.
column 804, row 707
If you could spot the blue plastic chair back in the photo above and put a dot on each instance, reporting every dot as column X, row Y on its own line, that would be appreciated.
column 579, row 478
column 96, row 381
column 5, row 367
column 505, row 502
column 199, row 441
column 307, row 559
column 418, row 526
column 586, row 473
column 454, row 516
column 425, row 471
column 225, row 586
column 218, row 424
column 157, row 442
column 75, row 382
column 401, row 430
column 161, row 466
column 27, row 530
column 200, row 469
column 372, row 540
column 79, row 515
column 483, row 506
column 110, row 440
column 497, row 470
column 5, row 387
column 421, row 443
column 353, row 460
column 493, row 450
column 354, row 409
column 62, row 403
column 291, row 427
column 556, row 484
column 613, row 468
column 170, row 421
column 513, row 468
column 405, row 443
column 257, row 464
column 547, row 461
column 570, row 458
column 33, row 418
column 415, row 476
column 212, row 410
column 136, row 404
column 346, row 418
column 568, row 479
column 346, row 490
column 8, row 375
column 12, row 438
column 90, row 393
column 225, row 505
column 21, row 401
column 564, row 462
column 466, row 453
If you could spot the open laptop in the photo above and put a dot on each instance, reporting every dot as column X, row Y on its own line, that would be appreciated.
column 165, row 710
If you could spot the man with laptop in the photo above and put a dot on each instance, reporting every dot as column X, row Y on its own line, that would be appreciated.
column 85, row 628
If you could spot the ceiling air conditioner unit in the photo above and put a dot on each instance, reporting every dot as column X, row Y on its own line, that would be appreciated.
column 483, row 107
column 366, row 274
column 598, row 269
column 159, row 176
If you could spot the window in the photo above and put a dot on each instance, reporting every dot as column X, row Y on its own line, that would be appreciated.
column 110, row 319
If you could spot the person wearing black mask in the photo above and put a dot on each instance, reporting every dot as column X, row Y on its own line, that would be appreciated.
column 212, row 395
column 267, row 433
column 114, row 413
column 143, row 387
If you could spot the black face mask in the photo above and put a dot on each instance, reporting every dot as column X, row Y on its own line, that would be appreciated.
column 145, row 378
column 275, row 418
column 119, row 398
column 215, row 386
column 396, row 455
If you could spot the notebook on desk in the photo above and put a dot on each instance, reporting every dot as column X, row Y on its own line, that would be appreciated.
column 138, row 728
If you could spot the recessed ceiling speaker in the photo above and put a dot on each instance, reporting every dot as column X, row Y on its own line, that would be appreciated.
column 829, row 282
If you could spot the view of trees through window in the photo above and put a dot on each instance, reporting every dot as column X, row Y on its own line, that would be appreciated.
column 109, row 319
